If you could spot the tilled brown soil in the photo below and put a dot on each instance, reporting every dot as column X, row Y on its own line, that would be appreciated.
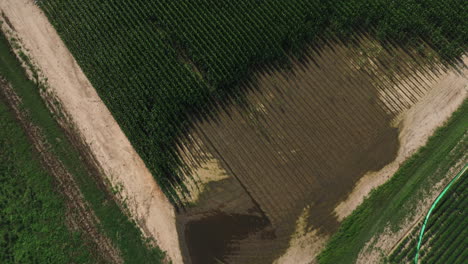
column 304, row 138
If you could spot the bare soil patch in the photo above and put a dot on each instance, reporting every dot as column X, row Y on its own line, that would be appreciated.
column 304, row 137
column 446, row 93
column 305, row 243
column 200, row 169
column 93, row 121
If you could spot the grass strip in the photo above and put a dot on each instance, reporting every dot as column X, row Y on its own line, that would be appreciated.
column 114, row 223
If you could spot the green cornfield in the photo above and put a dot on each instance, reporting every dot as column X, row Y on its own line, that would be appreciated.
column 159, row 64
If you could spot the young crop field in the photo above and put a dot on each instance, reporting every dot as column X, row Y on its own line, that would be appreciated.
column 445, row 238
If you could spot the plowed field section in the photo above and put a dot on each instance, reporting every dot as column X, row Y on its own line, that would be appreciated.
column 304, row 137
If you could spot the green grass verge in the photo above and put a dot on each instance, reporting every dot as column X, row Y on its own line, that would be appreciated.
column 32, row 214
column 390, row 203
column 114, row 223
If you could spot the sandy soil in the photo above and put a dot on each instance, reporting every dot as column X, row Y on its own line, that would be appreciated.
column 202, row 168
column 93, row 121
column 416, row 125
column 206, row 172
column 305, row 243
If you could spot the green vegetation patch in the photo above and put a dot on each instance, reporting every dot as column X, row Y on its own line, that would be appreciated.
column 32, row 214
column 446, row 236
column 124, row 234
column 391, row 203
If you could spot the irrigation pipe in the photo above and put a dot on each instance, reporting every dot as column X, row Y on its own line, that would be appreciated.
column 432, row 208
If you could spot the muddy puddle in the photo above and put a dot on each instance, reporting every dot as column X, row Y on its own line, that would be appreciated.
column 206, row 238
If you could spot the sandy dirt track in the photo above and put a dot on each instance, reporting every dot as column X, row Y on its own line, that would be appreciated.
column 110, row 147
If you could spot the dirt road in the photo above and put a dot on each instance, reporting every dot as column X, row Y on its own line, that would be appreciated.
column 93, row 121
